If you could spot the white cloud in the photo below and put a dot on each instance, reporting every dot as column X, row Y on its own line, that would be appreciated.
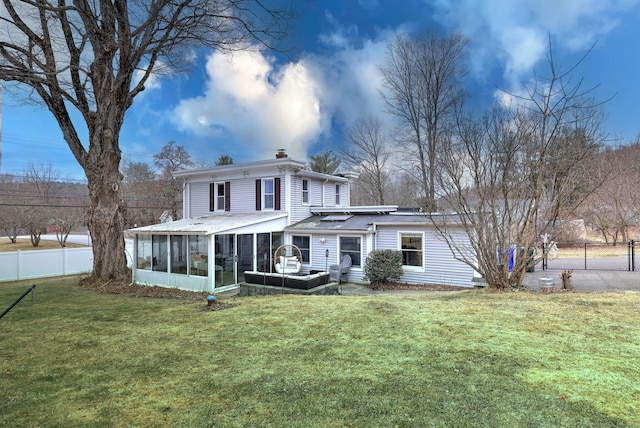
column 260, row 105
column 516, row 31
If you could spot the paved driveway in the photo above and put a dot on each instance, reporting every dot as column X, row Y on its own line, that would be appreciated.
column 589, row 280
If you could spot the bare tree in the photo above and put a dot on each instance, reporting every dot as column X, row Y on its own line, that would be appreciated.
column 45, row 179
column 423, row 88
column 503, row 177
column 368, row 154
column 614, row 207
column 171, row 158
column 90, row 59
column 326, row 162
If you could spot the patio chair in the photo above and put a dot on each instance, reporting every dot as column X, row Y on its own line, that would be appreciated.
column 336, row 271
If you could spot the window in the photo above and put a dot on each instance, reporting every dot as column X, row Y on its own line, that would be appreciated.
column 304, row 243
column 144, row 252
column 198, row 254
column 337, row 194
column 220, row 196
column 411, row 247
column 268, row 194
column 305, row 191
column 178, row 254
column 350, row 246
column 159, row 249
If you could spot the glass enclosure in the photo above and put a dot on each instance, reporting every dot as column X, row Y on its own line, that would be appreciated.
column 159, row 249
column 224, row 260
column 189, row 255
column 263, row 245
column 144, row 252
column 198, row 255
column 179, row 254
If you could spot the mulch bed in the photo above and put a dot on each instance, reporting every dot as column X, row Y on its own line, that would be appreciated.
column 421, row 287
column 135, row 290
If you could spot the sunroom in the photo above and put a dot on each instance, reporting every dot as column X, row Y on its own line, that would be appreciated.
column 207, row 253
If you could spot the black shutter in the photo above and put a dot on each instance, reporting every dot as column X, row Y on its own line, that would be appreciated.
column 227, row 196
column 212, row 197
column 258, row 194
column 276, row 191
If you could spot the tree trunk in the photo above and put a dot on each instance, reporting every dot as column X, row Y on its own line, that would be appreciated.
column 106, row 216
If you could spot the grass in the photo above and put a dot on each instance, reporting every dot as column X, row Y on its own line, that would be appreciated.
column 78, row 358
column 24, row 244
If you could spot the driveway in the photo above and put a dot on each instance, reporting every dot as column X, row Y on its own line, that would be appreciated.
column 588, row 280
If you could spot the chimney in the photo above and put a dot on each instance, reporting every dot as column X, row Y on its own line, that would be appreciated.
column 282, row 153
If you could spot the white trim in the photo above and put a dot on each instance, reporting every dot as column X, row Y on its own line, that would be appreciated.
column 307, row 192
column 339, row 249
column 216, row 196
column 417, row 233
column 310, row 261
column 264, row 193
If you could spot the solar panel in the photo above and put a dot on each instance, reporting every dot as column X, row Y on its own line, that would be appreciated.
column 337, row 217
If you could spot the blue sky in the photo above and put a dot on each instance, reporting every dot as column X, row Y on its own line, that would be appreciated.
column 250, row 104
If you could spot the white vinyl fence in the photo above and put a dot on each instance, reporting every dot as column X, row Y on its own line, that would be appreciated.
column 18, row 265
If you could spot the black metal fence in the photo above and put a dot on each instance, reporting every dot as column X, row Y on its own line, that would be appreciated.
column 589, row 255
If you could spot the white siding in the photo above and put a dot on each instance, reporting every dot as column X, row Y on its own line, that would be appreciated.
column 440, row 267
column 243, row 195
column 319, row 260
column 199, row 199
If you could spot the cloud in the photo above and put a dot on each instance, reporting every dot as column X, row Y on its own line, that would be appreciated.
column 515, row 32
column 257, row 103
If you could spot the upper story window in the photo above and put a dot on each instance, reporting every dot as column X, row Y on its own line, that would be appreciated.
column 305, row 191
column 338, row 202
column 411, row 247
column 219, row 196
column 268, row 194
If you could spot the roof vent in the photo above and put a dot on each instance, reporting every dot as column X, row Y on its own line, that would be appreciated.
column 282, row 153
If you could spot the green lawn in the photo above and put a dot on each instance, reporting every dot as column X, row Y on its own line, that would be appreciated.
column 78, row 358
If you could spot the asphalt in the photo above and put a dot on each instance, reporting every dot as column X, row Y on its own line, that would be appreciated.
column 582, row 281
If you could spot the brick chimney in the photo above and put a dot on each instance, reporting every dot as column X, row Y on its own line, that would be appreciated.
column 282, row 153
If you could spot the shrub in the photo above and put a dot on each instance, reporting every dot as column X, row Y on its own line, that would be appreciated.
column 383, row 265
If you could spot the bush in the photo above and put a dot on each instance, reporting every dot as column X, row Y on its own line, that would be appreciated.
column 383, row 265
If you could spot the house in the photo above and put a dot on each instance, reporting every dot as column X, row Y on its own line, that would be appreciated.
column 235, row 216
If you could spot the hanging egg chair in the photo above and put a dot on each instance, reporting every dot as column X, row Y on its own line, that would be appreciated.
column 288, row 259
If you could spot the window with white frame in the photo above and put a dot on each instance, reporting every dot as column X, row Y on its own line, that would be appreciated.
column 337, row 194
column 350, row 245
column 304, row 243
column 411, row 245
column 305, row 191
column 220, row 197
column 268, row 194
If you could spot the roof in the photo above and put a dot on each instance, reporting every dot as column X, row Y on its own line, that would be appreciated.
column 363, row 222
column 296, row 167
column 211, row 224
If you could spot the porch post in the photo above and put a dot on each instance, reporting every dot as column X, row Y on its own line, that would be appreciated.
column 211, row 262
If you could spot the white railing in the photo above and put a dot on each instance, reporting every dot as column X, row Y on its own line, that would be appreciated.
column 18, row 265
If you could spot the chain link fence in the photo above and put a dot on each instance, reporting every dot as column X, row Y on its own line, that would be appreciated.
column 589, row 255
